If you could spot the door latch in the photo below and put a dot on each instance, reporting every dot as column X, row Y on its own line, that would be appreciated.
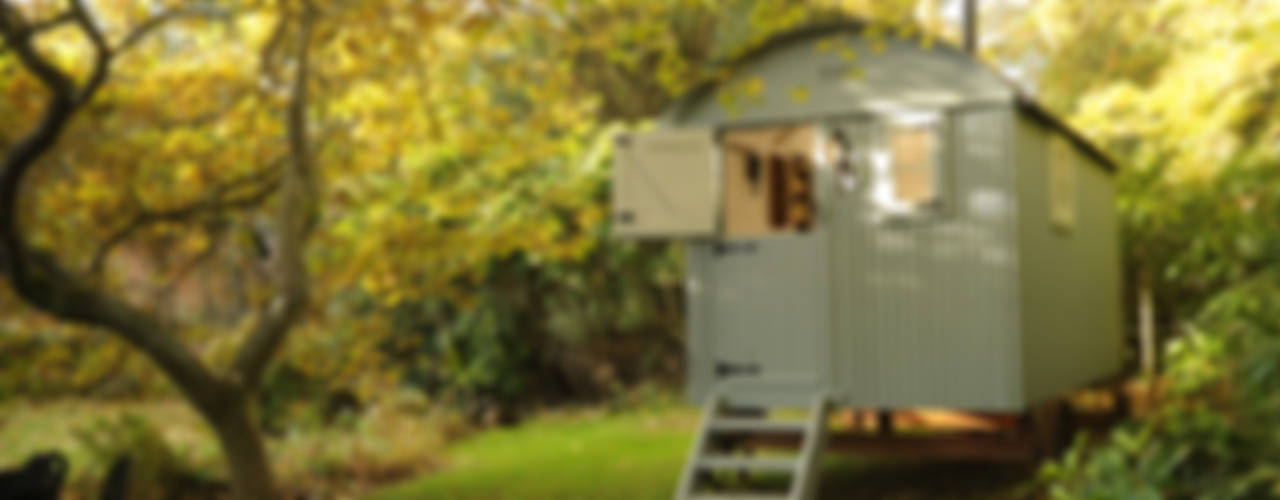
column 728, row 369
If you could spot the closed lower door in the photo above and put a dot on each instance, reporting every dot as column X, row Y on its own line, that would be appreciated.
column 768, row 312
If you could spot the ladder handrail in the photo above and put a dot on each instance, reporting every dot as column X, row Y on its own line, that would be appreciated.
column 684, row 490
column 808, row 464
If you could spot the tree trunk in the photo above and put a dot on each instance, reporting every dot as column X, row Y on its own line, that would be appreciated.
column 1147, row 325
column 242, row 446
column 40, row 280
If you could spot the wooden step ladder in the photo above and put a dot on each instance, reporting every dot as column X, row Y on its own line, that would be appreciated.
column 802, row 468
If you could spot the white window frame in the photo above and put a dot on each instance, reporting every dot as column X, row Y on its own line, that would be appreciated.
column 883, row 189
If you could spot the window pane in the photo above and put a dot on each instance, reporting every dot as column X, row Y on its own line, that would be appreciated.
column 913, row 152
column 1062, row 184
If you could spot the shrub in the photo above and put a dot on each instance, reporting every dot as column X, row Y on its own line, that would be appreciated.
column 1217, row 436
column 154, row 471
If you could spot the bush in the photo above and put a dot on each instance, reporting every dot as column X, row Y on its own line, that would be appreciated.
column 549, row 332
column 154, row 469
column 1217, row 436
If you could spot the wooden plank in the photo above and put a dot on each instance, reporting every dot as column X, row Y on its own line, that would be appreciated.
column 966, row 447
column 757, row 425
column 768, row 464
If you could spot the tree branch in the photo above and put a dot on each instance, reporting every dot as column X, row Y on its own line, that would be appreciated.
column 267, row 56
column 295, row 219
column 218, row 201
column 51, row 288
column 36, row 275
column 17, row 35
column 38, row 278
column 51, row 23
column 159, row 20
column 102, row 54
column 190, row 265
column 19, row 159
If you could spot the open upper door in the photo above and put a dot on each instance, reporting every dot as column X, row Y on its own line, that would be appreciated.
column 664, row 184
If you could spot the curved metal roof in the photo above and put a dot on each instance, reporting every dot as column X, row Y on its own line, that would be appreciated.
column 1023, row 101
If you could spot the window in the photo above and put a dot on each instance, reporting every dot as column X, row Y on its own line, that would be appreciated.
column 1062, row 184
column 907, row 166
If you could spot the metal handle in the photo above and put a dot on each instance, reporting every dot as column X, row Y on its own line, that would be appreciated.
column 730, row 369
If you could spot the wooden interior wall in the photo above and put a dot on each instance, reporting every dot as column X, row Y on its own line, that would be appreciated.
column 768, row 179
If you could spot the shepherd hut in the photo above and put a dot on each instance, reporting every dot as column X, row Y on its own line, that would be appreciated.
column 875, row 223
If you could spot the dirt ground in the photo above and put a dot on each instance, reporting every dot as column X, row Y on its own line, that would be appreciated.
column 931, row 480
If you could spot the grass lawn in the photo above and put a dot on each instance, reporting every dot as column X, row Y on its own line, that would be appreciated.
column 638, row 455
column 633, row 455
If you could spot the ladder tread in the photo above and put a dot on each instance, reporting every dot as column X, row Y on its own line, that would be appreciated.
column 801, row 468
column 775, row 464
column 725, row 424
